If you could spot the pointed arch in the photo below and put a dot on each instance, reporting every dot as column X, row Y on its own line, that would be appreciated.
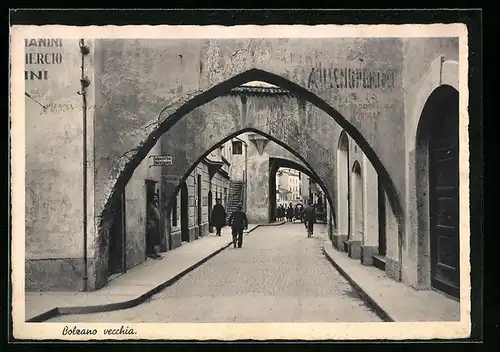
column 175, row 111
column 343, row 183
column 437, row 190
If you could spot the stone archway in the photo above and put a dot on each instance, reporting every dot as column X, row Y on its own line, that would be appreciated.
column 174, row 113
column 307, row 167
column 437, row 190
column 343, row 203
column 277, row 163
column 357, row 213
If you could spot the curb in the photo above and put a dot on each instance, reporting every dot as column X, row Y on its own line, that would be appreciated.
column 54, row 312
column 381, row 313
column 274, row 223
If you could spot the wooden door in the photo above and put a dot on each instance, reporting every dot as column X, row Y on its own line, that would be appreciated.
column 444, row 198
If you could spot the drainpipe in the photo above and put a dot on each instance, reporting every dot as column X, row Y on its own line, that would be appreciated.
column 245, row 174
column 85, row 82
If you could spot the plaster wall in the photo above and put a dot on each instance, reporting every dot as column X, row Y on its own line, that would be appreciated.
column 54, row 236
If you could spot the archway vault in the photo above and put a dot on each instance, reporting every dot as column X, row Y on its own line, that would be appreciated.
column 175, row 111
column 307, row 167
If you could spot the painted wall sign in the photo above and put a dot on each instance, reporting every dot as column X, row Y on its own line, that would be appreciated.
column 39, row 54
column 351, row 78
column 162, row 160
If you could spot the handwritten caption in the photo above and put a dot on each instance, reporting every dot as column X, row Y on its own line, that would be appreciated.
column 74, row 331
column 39, row 53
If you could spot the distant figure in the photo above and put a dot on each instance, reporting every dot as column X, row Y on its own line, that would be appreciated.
column 298, row 212
column 218, row 217
column 238, row 221
column 282, row 212
column 309, row 219
column 153, row 229
column 289, row 212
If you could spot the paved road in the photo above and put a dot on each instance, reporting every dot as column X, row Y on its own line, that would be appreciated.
column 279, row 275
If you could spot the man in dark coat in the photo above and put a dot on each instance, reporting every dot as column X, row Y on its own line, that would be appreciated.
column 238, row 221
column 218, row 217
column 289, row 212
column 281, row 212
column 309, row 219
column 153, row 229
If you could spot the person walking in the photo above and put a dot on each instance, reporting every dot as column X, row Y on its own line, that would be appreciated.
column 238, row 221
column 153, row 229
column 218, row 217
column 281, row 212
column 289, row 212
column 310, row 218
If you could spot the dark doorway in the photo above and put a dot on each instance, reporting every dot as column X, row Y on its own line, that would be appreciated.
column 184, row 213
column 382, row 240
column 151, row 191
column 117, row 254
column 272, row 192
column 199, row 203
column 210, row 206
column 443, row 195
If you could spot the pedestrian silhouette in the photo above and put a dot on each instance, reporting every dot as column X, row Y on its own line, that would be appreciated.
column 218, row 217
column 238, row 221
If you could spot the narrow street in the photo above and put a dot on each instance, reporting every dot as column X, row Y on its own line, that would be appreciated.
column 279, row 275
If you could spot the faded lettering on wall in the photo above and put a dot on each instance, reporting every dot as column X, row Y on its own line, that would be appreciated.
column 39, row 54
column 351, row 78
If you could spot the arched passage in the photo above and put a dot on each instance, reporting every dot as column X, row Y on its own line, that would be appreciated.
column 437, row 180
column 306, row 168
column 173, row 113
column 274, row 165
column 357, row 213
column 178, row 109
column 343, row 182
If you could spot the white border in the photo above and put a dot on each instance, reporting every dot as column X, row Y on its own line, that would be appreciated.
column 309, row 331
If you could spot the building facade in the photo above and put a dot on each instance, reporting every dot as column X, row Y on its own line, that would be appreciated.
column 288, row 183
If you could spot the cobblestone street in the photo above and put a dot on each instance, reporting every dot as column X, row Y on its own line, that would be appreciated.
column 279, row 275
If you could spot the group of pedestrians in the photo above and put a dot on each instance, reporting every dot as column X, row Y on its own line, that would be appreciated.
column 306, row 215
column 237, row 220
column 290, row 213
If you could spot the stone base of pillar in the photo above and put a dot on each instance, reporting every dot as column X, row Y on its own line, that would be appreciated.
column 367, row 253
column 338, row 241
column 392, row 268
column 354, row 249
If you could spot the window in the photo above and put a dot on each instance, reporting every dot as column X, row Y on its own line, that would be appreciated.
column 237, row 147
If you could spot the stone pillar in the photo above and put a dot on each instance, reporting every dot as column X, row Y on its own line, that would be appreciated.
column 168, row 189
column 329, row 221
column 369, row 246
column 357, row 217
column 340, row 236
column 392, row 256
column 258, row 189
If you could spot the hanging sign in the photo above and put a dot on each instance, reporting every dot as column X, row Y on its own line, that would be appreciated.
column 162, row 160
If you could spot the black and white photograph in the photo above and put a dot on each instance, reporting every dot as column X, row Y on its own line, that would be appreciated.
column 240, row 182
